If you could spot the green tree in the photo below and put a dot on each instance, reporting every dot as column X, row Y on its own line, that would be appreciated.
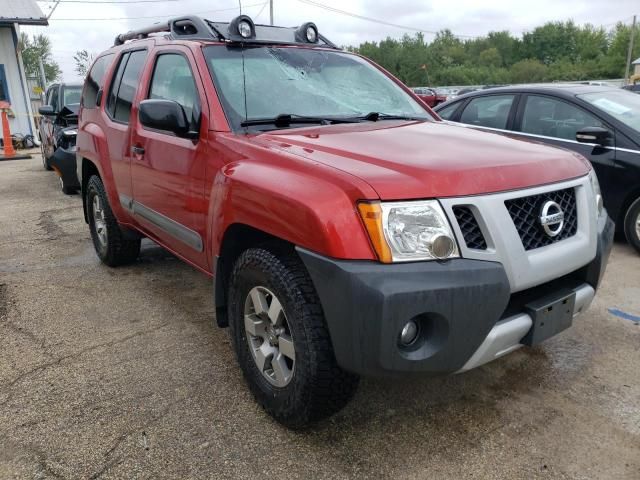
column 32, row 50
column 83, row 61
column 528, row 71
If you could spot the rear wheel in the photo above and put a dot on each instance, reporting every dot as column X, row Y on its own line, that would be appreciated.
column 281, row 339
column 632, row 224
column 112, row 245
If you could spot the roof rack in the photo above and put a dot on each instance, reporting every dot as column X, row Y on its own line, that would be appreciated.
column 192, row 27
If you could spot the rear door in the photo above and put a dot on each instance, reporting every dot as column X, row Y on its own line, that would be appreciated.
column 494, row 112
column 168, row 172
column 117, row 111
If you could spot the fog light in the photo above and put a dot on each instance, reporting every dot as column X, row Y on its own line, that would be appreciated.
column 409, row 333
column 442, row 246
column 244, row 28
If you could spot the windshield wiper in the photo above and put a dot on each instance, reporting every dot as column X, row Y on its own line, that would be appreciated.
column 375, row 116
column 286, row 119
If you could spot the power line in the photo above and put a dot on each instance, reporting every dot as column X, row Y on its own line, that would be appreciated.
column 375, row 20
column 108, row 1
column 156, row 16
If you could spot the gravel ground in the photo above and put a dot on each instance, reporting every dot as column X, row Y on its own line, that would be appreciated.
column 119, row 373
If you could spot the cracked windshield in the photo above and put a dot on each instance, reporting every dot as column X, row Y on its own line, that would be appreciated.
column 303, row 82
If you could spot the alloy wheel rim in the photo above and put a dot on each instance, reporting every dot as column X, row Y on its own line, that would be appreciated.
column 638, row 225
column 269, row 336
column 98, row 220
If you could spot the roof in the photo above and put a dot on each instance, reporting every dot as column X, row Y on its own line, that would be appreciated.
column 24, row 12
column 566, row 88
column 636, row 61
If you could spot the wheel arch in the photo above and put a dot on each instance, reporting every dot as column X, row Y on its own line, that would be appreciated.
column 237, row 238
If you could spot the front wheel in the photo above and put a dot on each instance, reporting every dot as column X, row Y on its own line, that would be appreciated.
column 632, row 225
column 113, row 247
column 281, row 339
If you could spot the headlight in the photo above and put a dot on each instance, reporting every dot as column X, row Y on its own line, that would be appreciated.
column 595, row 185
column 70, row 133
column 409, row 231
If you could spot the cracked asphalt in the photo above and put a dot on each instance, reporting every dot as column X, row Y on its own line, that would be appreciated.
column 119, row 373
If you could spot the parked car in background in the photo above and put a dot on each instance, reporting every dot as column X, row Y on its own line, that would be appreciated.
column 58, row 130
column 429, row 96
column 600, row 122
column 346, row 234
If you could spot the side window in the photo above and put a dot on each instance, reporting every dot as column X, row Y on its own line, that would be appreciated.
column 448, row 111
column 54, row 97
column 491, row 111
column 115, row 84
column 95, row 81
column 125, row 85
column 555, row 118
column 173, row 80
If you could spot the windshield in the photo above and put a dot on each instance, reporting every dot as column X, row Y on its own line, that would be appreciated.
column 303, row 82
column 620, row 104
column 71, row 95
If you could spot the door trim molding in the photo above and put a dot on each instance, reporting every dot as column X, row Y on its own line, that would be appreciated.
column 164, row 223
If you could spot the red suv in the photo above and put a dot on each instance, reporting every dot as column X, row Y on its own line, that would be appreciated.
column 348, row 230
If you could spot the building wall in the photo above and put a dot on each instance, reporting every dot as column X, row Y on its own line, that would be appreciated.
column 20, row 123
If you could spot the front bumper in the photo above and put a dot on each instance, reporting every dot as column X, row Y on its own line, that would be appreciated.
column 464, row 307
column 64, row 162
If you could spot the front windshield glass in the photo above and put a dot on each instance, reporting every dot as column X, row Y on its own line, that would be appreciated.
column 620, row 104
column 303, row 82
column 71, row 95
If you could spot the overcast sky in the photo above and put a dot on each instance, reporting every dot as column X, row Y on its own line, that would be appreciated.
column 463, row 17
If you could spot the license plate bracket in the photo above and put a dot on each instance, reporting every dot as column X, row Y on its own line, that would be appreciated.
column 551, row 315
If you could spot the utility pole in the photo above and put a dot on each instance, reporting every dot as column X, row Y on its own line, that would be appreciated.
column 630, row 52
column 43, row 77
column 271, row 12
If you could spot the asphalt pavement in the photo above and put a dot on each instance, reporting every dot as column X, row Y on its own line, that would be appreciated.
column 120, row 373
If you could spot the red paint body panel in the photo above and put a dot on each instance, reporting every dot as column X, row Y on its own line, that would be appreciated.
column 412, row 160
column 301, row 185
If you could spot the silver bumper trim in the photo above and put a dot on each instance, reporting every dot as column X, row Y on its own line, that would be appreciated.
column 505, row 336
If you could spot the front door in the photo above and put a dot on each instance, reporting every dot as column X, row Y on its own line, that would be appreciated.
column 556, row 121
column 167, row 171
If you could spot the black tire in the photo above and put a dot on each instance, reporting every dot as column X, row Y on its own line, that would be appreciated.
column 632, row 225
column 45, row 160
column 117, row 249
column 318, row 387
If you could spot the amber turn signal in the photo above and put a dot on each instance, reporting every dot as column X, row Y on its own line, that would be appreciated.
column 371, row 214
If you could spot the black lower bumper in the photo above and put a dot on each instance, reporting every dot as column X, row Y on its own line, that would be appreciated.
column 455, row 303
column 64, row 161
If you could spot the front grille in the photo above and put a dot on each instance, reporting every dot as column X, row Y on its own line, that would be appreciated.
column 469, row 227
column 525, row 213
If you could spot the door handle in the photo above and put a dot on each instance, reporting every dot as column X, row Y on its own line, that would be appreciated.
column 137, row 150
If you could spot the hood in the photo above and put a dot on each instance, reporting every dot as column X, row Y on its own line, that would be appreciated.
column 412, row 160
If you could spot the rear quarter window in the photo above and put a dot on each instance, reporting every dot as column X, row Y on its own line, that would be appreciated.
column 95, row 80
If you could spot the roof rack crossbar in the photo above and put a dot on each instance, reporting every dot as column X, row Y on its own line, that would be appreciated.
column 187, row 27
column 192, row 27
column 141, row 33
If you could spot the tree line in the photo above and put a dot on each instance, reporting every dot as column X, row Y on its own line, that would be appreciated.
column 553, row 51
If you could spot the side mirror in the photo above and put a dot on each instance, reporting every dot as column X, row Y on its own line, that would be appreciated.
column 46, row 110
column 165, row 115
column 597, row 135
